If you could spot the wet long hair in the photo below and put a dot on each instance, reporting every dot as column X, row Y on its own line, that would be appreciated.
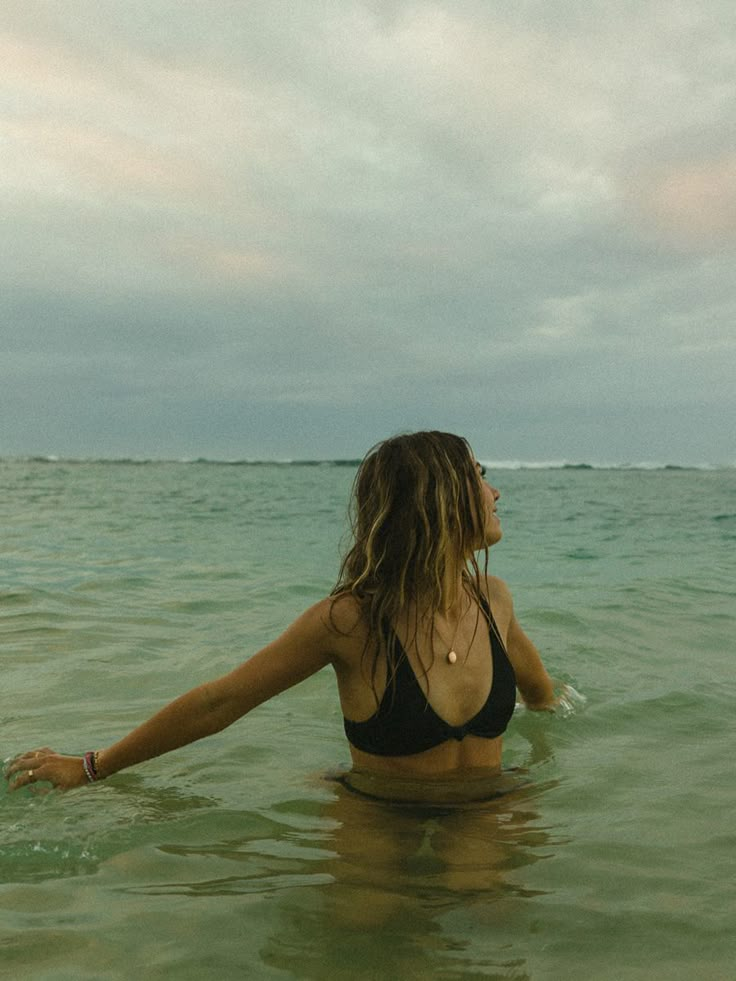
column 416, row 510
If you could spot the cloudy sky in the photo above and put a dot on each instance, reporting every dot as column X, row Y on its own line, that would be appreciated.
column 289, row 229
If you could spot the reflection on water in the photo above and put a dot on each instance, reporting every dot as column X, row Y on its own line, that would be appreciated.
column 410, row 887
column 327, row 885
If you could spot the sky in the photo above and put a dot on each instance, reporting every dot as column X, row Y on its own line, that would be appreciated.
column 270, row 229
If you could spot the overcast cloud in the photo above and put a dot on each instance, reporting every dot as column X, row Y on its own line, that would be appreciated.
column 271, row 229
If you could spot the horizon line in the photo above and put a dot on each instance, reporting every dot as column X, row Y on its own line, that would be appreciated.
column 517, row 464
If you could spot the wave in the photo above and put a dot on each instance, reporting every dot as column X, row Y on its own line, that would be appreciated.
column 182, row 461
column 569, row 465
column 355, row 462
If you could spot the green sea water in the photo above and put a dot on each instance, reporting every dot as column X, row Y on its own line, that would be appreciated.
column 124, row 584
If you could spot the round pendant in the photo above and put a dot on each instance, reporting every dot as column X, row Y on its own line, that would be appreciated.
column 452, row 657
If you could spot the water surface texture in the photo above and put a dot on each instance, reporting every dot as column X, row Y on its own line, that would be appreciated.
column 124, row 584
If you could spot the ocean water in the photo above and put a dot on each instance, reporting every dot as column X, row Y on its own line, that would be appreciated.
column 124, row 584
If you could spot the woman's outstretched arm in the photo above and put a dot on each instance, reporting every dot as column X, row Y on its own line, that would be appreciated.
column 301, row 651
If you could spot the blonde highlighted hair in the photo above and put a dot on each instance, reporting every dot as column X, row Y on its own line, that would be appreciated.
column 416, row 512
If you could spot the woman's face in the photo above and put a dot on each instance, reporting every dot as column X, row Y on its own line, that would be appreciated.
column 491, row 523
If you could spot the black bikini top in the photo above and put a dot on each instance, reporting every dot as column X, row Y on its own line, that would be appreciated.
column 405, row 723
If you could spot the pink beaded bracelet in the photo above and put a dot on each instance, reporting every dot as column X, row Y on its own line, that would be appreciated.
column 89, row 762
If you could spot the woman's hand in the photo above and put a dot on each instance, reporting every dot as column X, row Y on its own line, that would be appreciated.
column 46, row 766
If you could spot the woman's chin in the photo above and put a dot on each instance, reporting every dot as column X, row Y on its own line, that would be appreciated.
column 494, row 535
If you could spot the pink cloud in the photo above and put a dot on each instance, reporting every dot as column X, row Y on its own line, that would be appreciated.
column 85, row 157
column 245, row 266
column 688, row 204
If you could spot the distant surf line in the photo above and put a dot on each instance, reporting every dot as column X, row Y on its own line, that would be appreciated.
column 354, row 462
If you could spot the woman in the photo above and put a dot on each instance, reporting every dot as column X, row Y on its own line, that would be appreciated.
column 425, row 645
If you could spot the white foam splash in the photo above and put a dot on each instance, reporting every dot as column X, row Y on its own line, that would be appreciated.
column 570, row 702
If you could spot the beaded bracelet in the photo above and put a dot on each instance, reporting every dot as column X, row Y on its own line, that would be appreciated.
column 89, row 762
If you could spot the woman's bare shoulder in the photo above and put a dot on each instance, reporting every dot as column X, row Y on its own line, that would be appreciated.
column 496, row 590
column 333, row 625
column 499, row 597
column 342, row 612
column 344, row 619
